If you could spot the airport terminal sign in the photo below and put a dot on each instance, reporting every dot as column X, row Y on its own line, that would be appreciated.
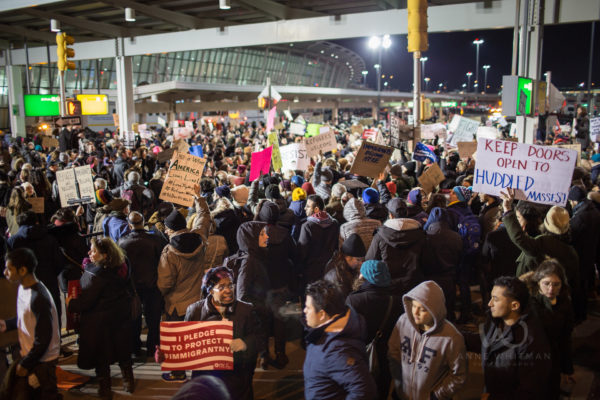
column 540, row 174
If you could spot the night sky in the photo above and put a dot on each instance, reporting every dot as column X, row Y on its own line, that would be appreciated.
column 452, row 55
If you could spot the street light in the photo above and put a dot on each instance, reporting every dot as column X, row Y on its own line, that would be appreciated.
column 469, row 80
column 477, row 42
column 485, row 69
column 427, row 83
column 376, row 42
column 364, row 74
column 423, row 61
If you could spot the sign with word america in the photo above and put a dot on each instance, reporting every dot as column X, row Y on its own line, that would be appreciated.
column 185, row 171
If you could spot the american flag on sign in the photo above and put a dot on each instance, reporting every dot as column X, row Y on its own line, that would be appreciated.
column 195, row 345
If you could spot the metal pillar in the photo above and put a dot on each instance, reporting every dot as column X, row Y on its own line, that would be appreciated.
column 416, row 97
column 379, row 70
column 50, row 74
column 126, row 106
column 27, row 75
column 16, row 108
column 515, row 54
column 590, row 65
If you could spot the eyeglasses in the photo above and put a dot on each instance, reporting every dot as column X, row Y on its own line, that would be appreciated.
column 221, row 288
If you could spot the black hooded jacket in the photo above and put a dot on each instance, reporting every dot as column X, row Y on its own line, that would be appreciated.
column 252, row 283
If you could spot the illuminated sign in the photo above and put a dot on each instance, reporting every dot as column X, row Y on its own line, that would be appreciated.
column 93, row 104
column 524, row 92
column 42, row 105
column 449, row 103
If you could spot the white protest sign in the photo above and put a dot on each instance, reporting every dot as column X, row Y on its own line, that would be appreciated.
column 324, row 142
column 487, row 132
column 174, row 124
column 182, row 133
column 288, row 115
column 297, row 129
column 67, row 188
column 323, row 129
column 161, row 122
column 189, row 125
column 465, row 129
column 142, row 127
column 540, row 174
column 146, row 134
column 294, row 157
column 430, row 131
column 594, row 128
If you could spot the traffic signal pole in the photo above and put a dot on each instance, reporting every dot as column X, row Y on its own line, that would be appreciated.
column 63, row 96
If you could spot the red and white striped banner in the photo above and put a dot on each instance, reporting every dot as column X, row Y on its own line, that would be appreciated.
column 195, row 345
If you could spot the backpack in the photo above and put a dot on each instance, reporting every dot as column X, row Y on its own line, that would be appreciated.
column 470, row 232
column 135, row 203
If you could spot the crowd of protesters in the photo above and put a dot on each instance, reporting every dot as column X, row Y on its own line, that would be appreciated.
column 374, row 263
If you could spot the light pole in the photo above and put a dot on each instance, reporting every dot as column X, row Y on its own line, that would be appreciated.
column 477, row 42
column 469, row 80
column 379, row 43
column 423, row 61
column 427, row 83
column 485, row 70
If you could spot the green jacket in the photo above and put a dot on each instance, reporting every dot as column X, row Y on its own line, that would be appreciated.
column 535, row 250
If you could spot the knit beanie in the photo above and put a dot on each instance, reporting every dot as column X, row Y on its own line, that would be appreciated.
column 415, row 197
column 557, row 220
column 370, row 196
column 240, row 195
column 272, row 192
column 164, row 209
column 353, row 246
column 223, row 191
column 438, row 214
column 376, row 272
column 269, row 213
column 577, row 193
column 175, row 221
column 463, row 193
column 338, row 190
column 298, row 194
column 391, row 187
column 596, row 157
column 297, row 180
column 308, row 188
column 103, row 197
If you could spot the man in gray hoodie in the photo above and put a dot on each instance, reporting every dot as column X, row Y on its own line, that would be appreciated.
column 427, row 354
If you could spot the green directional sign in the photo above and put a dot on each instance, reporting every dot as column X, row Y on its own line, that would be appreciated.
column 42, row 105
column 524, row 93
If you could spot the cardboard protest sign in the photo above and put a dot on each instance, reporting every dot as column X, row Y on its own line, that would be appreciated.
column 576, row 147
column 371, row 159
column 540, row 174
column 273, row 139
column 48, row 142
column 279, row 126
column 294, row 157
column 324, row 142
column 179, row 145
column 432, row 177
column 466, row 149
column 430, row 131
column 260, row 161
column 297, row 128
column 464, row 129
column 185, row 171
column 196, row 345
column 37, row 204
column 312, row 130
column 68, row 181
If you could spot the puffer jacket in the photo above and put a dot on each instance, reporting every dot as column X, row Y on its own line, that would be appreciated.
column 427, row 363
column 357, row 222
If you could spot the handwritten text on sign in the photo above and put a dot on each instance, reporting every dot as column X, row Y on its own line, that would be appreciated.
column 371, row 159
column 539, row 174
column 294, row 157
column 196, row 345
column 184, row 172
column 323, row 142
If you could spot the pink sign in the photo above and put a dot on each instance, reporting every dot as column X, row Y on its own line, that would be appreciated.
column 369, row 134
column 196, row 345
column 260, row 161
column 271, row 119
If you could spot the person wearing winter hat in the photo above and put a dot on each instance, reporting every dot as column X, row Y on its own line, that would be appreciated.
column 376, row 272
column 322, row 181
column 585, row 235
column 414, row 201
column 115, row 224
column 178, row 277
column 272, row 192
column 268, row 212
column 391, row 187
column 335, row 207
column 103, row 197
column 223, row 191
column 553, row 243
column 239, row 195
column 373, row 208
column 297, row 206
column 358, row 222
column 296, row 181
column 344, row 266
column 308, row 188
column 439, row 369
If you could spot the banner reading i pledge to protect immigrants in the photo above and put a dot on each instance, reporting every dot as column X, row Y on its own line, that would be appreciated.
column 541, row 174
column 196, row 345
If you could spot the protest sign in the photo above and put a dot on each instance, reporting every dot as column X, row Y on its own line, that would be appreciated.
column 595, row 129
column 369, row 134
column 196, row 345
column 182, row 133
column 273, row 139
column 294, row 157
column 174, row 124
column 279, row 126
column 146, row 134
column 185, row 171
column 161, row 122
column 48, row 142
column 464, row 129
column 366, row 122
column 395, row 131
column 68, row 181
column 142, row 127
column 488, row 132
column 324, row 142
column 430, row 131
column 260, row 161
column 288, row 115
column 431, row 177
column 297, row 128
column 371, row 159
column 315, row 119
column 357, row 129
column 423, row 152
column 179, row 145
column 312, row 130
column 540, row 174
column 576, row 147
column 189, row 125
column 466, row 149
column 37, row 204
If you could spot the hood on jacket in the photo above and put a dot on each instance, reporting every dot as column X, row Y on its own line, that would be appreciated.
column 322, row 219
column 401, row 232
column 247, row 236
column 432, row 297
column 354, row 210
column 186, row 244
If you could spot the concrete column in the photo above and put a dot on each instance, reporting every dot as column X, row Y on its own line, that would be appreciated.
column 125, row 104
column 334, row 113
column 16, row 108
column 374, row 112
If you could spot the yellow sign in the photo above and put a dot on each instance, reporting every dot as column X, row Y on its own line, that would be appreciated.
column 93, row 104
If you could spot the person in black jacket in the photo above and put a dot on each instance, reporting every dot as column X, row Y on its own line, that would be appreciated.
column 373, row 207
column 105, row 308
column 371, row 299
column 227, row 221
column 344, row 266
column 143, row 250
